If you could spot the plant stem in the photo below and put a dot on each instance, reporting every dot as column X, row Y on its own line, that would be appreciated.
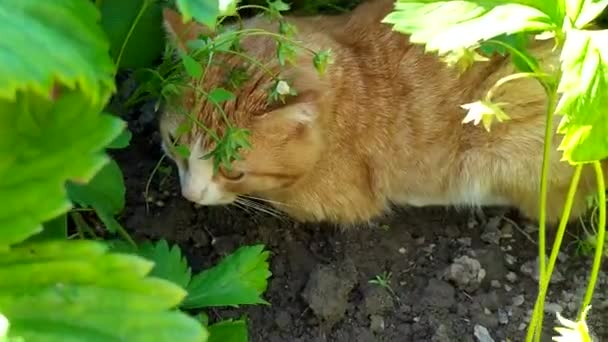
column 143, row 8
column 82, row 226
column 538, row 314
column 539, row 76
column 544, row 283
column 599, row 247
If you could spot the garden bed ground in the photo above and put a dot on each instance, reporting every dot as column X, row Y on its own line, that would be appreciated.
column 455, row 274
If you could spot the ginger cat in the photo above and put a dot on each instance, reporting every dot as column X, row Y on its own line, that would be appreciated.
column 383, row 126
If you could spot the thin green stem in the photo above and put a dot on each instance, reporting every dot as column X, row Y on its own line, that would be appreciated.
column 551, row 105
column 142, row 9
column 123, row 233
column 599, row 248
column 149, row 182
column 82, row 226
column 536, row 322
column 539, row 76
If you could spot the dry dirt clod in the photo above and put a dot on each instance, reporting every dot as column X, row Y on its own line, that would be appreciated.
column 466, row 273
column 327, row 289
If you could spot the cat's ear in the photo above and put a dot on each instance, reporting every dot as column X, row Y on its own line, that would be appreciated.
column 180, row 32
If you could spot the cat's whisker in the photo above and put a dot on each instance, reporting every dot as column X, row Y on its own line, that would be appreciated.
column 265, row 200
column 260, row 208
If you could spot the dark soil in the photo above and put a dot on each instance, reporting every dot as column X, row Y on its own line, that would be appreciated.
column 455, row 274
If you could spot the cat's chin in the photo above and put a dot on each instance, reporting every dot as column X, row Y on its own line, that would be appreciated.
column 225, row 200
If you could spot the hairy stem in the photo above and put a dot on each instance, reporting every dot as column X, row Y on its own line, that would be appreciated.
column 599, row 248
column 538, row 313
column 536, row 322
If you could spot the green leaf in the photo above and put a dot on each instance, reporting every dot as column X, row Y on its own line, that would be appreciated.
column 219, row 95
column 227, row 149
column 239, row 279
column 582, row 12
column 229, row 331
column 183, row 151
column 136, row 24
column 45, row 42
column 321, row 60
column 193, row 68
column 105, row 193
column 68, row 291
column 54, row 229
column 169, row 263
column 584, row 99
column 445, row 26
column 206, row 11
column 121, row 141
column 40, row 149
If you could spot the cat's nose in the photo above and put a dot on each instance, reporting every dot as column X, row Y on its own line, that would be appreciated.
column 193, row 194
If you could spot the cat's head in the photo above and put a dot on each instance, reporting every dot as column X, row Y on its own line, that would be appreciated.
column 285, row 138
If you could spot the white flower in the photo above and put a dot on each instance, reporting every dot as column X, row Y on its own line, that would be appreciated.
column 483, row 111
column 571, row 331
column 283, row 88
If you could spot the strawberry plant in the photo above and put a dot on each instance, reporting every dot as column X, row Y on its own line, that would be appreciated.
column 460, row 31
column 57, row 75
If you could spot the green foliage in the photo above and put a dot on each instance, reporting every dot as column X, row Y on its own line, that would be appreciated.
column 229, row 330
column 578, row 91
column 56, row 76
column 239, row 279
column 37, row 143
column 53, row 41
column 105, row 193
column 584, row 101
column 462, row 24
column 76, row 291
column 134, row 29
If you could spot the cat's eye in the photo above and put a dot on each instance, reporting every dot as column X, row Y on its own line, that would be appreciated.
column 232, row 175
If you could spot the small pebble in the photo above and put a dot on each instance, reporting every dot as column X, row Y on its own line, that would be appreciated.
column 160, row 203
column 518, row 300
column 503, row 317
column 512, row 277
column 522, row 326
column 482, row 334
column 402, row 250
column 511, row 260
column 508, row 288
column 553, row 308
column 495, row 284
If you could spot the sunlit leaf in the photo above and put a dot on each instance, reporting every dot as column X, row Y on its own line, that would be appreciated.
column 584, row 100
column 239, row 279
column 68, row 291
column 43, row 144
column 44, row 42
column 206, row 11
column 445, row 26
column 582, row 12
